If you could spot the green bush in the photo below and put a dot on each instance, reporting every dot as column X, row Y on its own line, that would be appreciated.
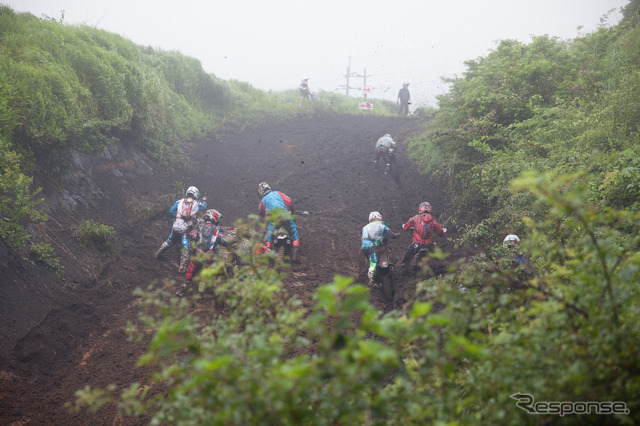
column 47, row 255
column 562, row 328
column 548, row 106
column 96, row 234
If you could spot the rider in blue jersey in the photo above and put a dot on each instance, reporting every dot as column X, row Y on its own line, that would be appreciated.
column 276, row 200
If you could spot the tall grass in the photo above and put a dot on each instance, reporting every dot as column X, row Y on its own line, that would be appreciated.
column 79, row 87
column 68, row 88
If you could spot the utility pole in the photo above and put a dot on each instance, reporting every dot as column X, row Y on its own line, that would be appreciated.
column 350, row 74
column 364, row 84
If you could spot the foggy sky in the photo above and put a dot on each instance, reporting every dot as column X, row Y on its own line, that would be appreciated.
column 273, row 44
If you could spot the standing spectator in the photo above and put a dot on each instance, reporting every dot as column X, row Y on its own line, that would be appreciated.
column 305, row 92
column 404, row 98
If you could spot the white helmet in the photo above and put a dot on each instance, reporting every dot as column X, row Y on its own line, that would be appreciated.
column 510, row 240
column 263, row 189
column 212, row 215
column 193, row 191
column 424, row 207
column 374, row 216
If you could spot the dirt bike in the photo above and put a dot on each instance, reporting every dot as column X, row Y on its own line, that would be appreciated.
column 416, row 262
column 384, row 272
column 282, row 245
column 389, row 159
column 203, row 256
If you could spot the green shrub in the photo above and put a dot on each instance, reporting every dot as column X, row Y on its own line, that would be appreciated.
column 47, row 255
column 565, row 329
column 96, row 234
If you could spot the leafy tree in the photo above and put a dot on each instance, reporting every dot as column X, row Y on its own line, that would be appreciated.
column 550, row 105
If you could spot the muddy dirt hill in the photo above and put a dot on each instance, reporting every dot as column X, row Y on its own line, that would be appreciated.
column 59, row 335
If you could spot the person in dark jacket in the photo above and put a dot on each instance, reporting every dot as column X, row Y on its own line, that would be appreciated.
column 404, row 98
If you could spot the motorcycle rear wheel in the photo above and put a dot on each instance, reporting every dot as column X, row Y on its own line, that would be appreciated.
column 280, row 258
column 386, row 279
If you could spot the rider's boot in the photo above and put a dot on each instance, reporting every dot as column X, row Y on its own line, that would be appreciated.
column 182, row 289
column 406, row 259
column 370, row 274
column 162, row 248
column 294, row 250
column 266, row 247
column 184, row 261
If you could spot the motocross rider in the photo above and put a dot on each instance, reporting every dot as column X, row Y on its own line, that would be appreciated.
column 383, row 147
column 512, row 242
column 276, row 200
column 374, row 235
column 206, row 239
column 184, row 211
column 423, row 225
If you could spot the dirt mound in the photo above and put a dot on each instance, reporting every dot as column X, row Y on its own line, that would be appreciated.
column 60, row 336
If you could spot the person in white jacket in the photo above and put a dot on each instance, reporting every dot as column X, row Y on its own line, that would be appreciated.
column 184, row 211
column 374, row 235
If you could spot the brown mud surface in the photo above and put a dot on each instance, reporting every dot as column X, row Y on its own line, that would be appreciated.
column 60, row 335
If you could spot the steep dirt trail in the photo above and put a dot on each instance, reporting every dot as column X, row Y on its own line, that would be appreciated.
column 326, row 167
column 75, row 337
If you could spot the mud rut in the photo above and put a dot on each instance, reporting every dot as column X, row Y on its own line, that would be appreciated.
column 58, row 339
